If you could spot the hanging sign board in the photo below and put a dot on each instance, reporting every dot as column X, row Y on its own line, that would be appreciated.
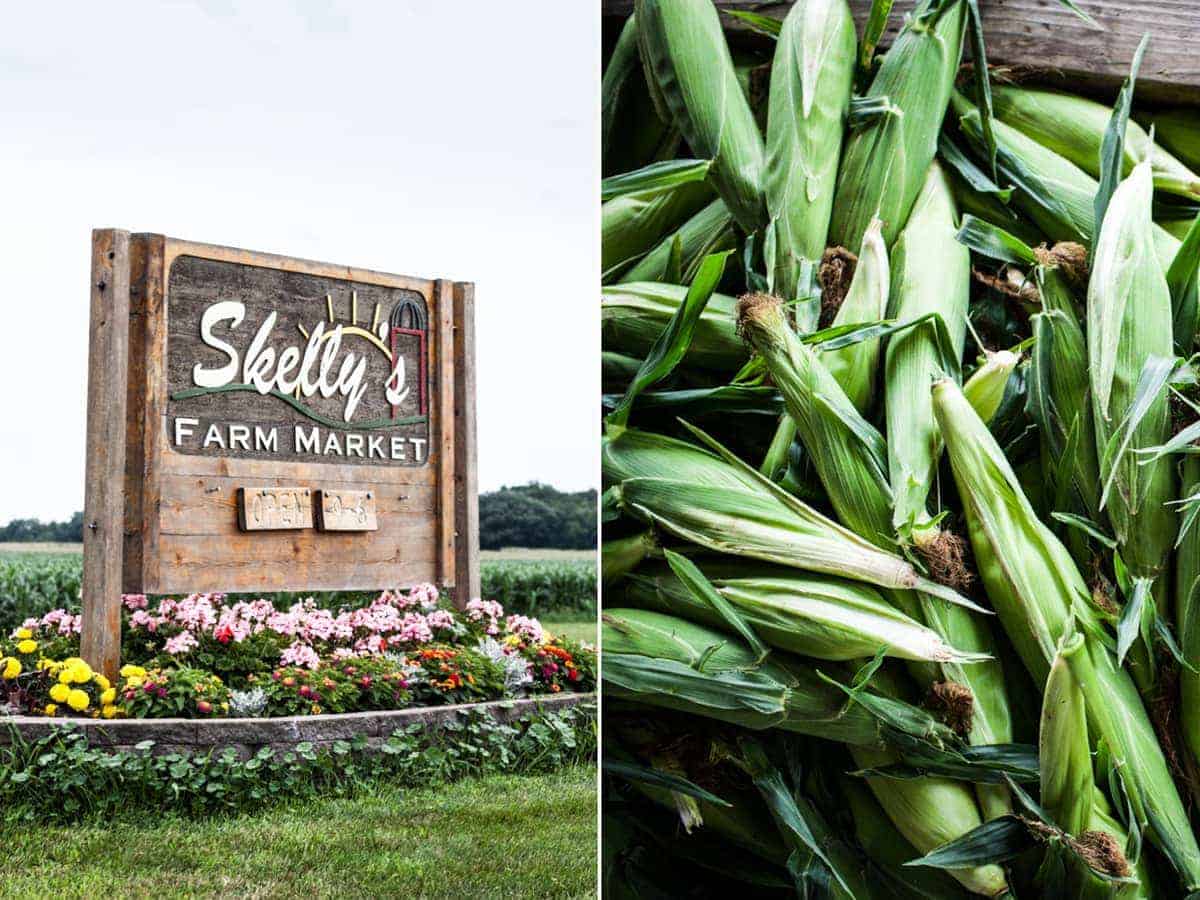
column 263, row 423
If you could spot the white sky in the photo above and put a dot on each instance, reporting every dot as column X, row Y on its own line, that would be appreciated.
column 434, row 139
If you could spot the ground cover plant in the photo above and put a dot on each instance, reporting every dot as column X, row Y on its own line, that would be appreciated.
column 900, row 467
column 209, row 655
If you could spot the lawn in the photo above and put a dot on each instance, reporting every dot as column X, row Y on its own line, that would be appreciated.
column 585, row 630
column 503, row 836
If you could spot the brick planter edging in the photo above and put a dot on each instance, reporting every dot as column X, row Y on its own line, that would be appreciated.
column 280, row 733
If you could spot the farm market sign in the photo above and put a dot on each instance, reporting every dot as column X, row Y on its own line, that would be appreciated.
column 263, row 423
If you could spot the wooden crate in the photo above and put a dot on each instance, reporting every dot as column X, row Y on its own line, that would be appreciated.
column 1049, row 41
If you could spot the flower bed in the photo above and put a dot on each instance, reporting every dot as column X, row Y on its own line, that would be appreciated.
column 203, row 656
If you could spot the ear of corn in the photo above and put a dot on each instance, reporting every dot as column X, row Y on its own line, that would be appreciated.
column 671, row 663
column 633, row 315
column 708, row 231
column 855, row 366
column 812, row 615
column 1064, row 755
column 691, row 73
column 621, row 556
column 630, row 225
column 991, row 209
column 930, row 274
column 885, row 161
column 1037, row 592
column 1128, row 322
column 1187, row 610
column 1074, row 128
column 985, row 388
column 810, row 92
column 631, row 132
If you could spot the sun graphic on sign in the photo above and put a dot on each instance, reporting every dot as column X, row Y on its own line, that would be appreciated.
column 407, row 318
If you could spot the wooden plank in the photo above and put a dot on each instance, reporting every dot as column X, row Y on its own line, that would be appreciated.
column 1052, row 42
column 104, row 472
column 273, row 508
column 444, row 310
column 346, row 511
column 466, row 481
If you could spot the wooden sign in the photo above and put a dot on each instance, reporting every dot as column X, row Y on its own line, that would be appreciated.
column 346, row 511
column 274, row 508
column 224, row 384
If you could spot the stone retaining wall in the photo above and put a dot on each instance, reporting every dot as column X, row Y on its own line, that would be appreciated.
column 247, row 736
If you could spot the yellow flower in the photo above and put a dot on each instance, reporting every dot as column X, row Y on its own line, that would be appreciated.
column 103, row 682
column 26, row 646
column 130, row 670
column 50, row 709
column 109, row 711
column 66, row 676
column 78, row 700
column 109, row 695
column 72, row 661
column 83, row 672
column 12, row 667
column 24, row 634
column 59, row 693
column 133, row 681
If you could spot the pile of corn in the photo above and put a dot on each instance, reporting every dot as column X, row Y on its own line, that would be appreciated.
column 901, row 464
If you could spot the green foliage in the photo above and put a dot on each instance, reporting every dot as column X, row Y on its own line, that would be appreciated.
column 59, row 778
column 532, row 587
column 172, row 693
column 35, row 530
column 33, row 584
column 537, row 515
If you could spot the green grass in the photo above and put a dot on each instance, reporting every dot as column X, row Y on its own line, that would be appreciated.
column 502, row 836
column 585, row 630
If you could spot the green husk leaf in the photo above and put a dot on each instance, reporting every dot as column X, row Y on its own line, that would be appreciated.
column 659, row 778
column 658, row 176
column 1112, row 150
column 701, row 588
column 994, row 242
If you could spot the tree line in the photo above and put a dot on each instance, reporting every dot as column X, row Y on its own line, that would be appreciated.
column 529, row 515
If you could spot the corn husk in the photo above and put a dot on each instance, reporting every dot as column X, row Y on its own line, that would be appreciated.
column 632, row 224
column 701, row 498
column 1179, row 131
column 989, row 208
column 656, row 659
column 985, row 388
column 929, row 812
column 633, row 315
column 812, row 615
column 621, row 556
column 632, row 134
column 855, row 367
column 810, row 92
column 692, row 78
column 1128, row 322
column 848, row 454
column 1074, row 128
column 884, row 162
column 1050, row 189
column 708, row 231
column 1037, row 593
column 1177, row 228
column 1187, row 611
column 930, row 273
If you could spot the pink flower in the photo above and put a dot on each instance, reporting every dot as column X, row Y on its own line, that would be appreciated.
column 134, row 601
column 300, row 654
column 525, row 627
column 181, row 643
column 440, row 618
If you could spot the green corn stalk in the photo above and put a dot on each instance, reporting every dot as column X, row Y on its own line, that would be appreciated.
column 630, row 225
column 1187, row 610
column 811, row 80
column 812, row 615
column 884, row 163
column 1074, row 127
column 1051, row 190
column 854, row 366
column 691, row 76
column 631, row 133
column 1038, row 593
column 1128, row 322
column 708, row 231
column 731, row 508
column 633, row 315
column 930, row 274
column 1180, row 133
column 672, row 663
column 985, row 388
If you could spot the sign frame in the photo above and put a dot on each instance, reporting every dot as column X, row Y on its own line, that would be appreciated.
column 161, row 521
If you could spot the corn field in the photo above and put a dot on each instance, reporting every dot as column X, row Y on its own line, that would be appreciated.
column 900, row 467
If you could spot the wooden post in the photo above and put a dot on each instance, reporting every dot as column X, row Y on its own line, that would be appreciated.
column 466, row 481
column 104, row 469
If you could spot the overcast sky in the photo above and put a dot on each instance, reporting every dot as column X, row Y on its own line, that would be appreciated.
column 427, row 138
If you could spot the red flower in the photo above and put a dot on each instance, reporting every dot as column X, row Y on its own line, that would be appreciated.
column 224, row 634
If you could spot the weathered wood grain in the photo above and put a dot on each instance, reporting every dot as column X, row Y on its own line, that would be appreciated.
column 346, row 511
column 1052, row 42
column 104, row 471
column 444, row 304
column 466, row 481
